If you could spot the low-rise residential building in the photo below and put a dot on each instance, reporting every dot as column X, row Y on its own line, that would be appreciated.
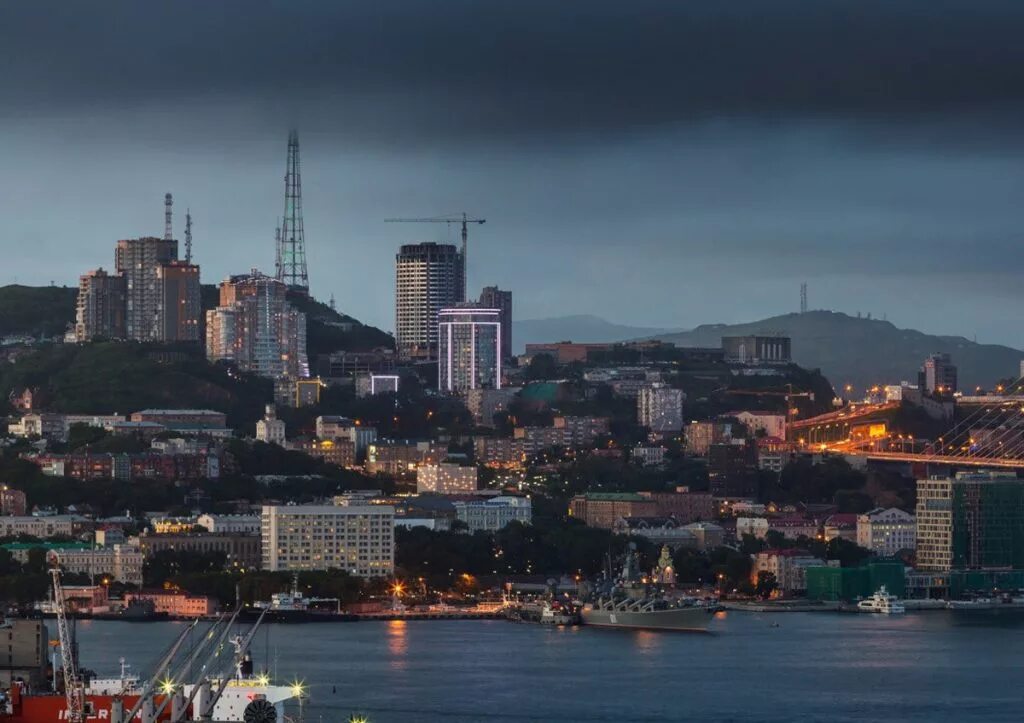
column 842, row 525
column 20, row 550
column 886, row 531
column 401, row 459
column 445, row 478
column 648, row 456
column 336, row 428
column 185, row 420
column 769, row 424
column 602, row 509
column 756, row 526
column 483, row 404
column 683, row 505
column 493, row 513
column 340, row 452
column 152, row 465
column 701, row 435
column 12, row 502
column 659, row 530
column 369, row 385
column 175, row 603
column 230, row 524
column 359, row 540
column 707, row 535
column 42, row 526
column 119, row 562
column 794, row 526
column 789, row 567
column 773, row 453
column 241, row 551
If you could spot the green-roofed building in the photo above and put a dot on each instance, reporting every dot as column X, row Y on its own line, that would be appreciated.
column 19, row 550
column 602, row 509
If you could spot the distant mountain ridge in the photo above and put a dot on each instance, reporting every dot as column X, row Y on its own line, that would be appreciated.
column 864, row 352
column 585, row 328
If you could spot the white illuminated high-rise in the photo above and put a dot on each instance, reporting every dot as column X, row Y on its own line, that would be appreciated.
column 469, row 346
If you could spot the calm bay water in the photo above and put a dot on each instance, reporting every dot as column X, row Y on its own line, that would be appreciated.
column 933, row 666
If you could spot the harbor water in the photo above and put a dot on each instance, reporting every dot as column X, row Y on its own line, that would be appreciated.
column 928, row 666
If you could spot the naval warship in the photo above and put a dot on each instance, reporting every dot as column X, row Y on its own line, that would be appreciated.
column 631, row 601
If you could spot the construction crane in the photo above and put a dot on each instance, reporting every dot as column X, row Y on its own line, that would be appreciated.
column 74, row 688
column 462, row 219
column 789, row 395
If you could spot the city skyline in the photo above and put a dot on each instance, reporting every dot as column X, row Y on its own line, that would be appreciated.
column 827, row 162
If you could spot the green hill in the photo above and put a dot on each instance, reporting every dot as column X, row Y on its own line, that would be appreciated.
column 328, row 330
column 36, row 310
column 123, row 377
column 865, row 352
column 48, row 310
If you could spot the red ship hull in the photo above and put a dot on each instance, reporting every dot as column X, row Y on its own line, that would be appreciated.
column 52, row 708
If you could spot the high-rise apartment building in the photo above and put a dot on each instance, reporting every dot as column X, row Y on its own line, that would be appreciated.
column 101, row 306
column 660, row 408
column 257, row 329
column 139, row 260
column 938, row 375
column 428, row 278
column 179, row 302
column 494, row 298
column 469, row 349
column 359, row 539
column 974, row 521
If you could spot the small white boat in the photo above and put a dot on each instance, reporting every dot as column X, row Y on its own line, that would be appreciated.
column 881, row 603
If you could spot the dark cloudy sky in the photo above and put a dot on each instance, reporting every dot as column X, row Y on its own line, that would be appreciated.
column 654, row 162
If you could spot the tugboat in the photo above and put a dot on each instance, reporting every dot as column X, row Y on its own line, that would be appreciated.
column 554, row 614
column 632, row 602
column 881, row 603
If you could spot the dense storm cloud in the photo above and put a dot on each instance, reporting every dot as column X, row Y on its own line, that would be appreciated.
column 652, row 162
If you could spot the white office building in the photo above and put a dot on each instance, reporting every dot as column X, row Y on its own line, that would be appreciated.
column 359, row 539
column 469, row 349
column 886, row 532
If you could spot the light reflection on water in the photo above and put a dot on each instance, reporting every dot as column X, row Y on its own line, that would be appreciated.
column 398, row 645
column 756, row 667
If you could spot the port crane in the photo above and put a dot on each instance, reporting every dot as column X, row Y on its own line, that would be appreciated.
column 461, row 219
column 74, row 687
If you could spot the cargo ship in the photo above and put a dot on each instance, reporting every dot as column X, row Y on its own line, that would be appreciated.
column 225, row 689
column 243, row 693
